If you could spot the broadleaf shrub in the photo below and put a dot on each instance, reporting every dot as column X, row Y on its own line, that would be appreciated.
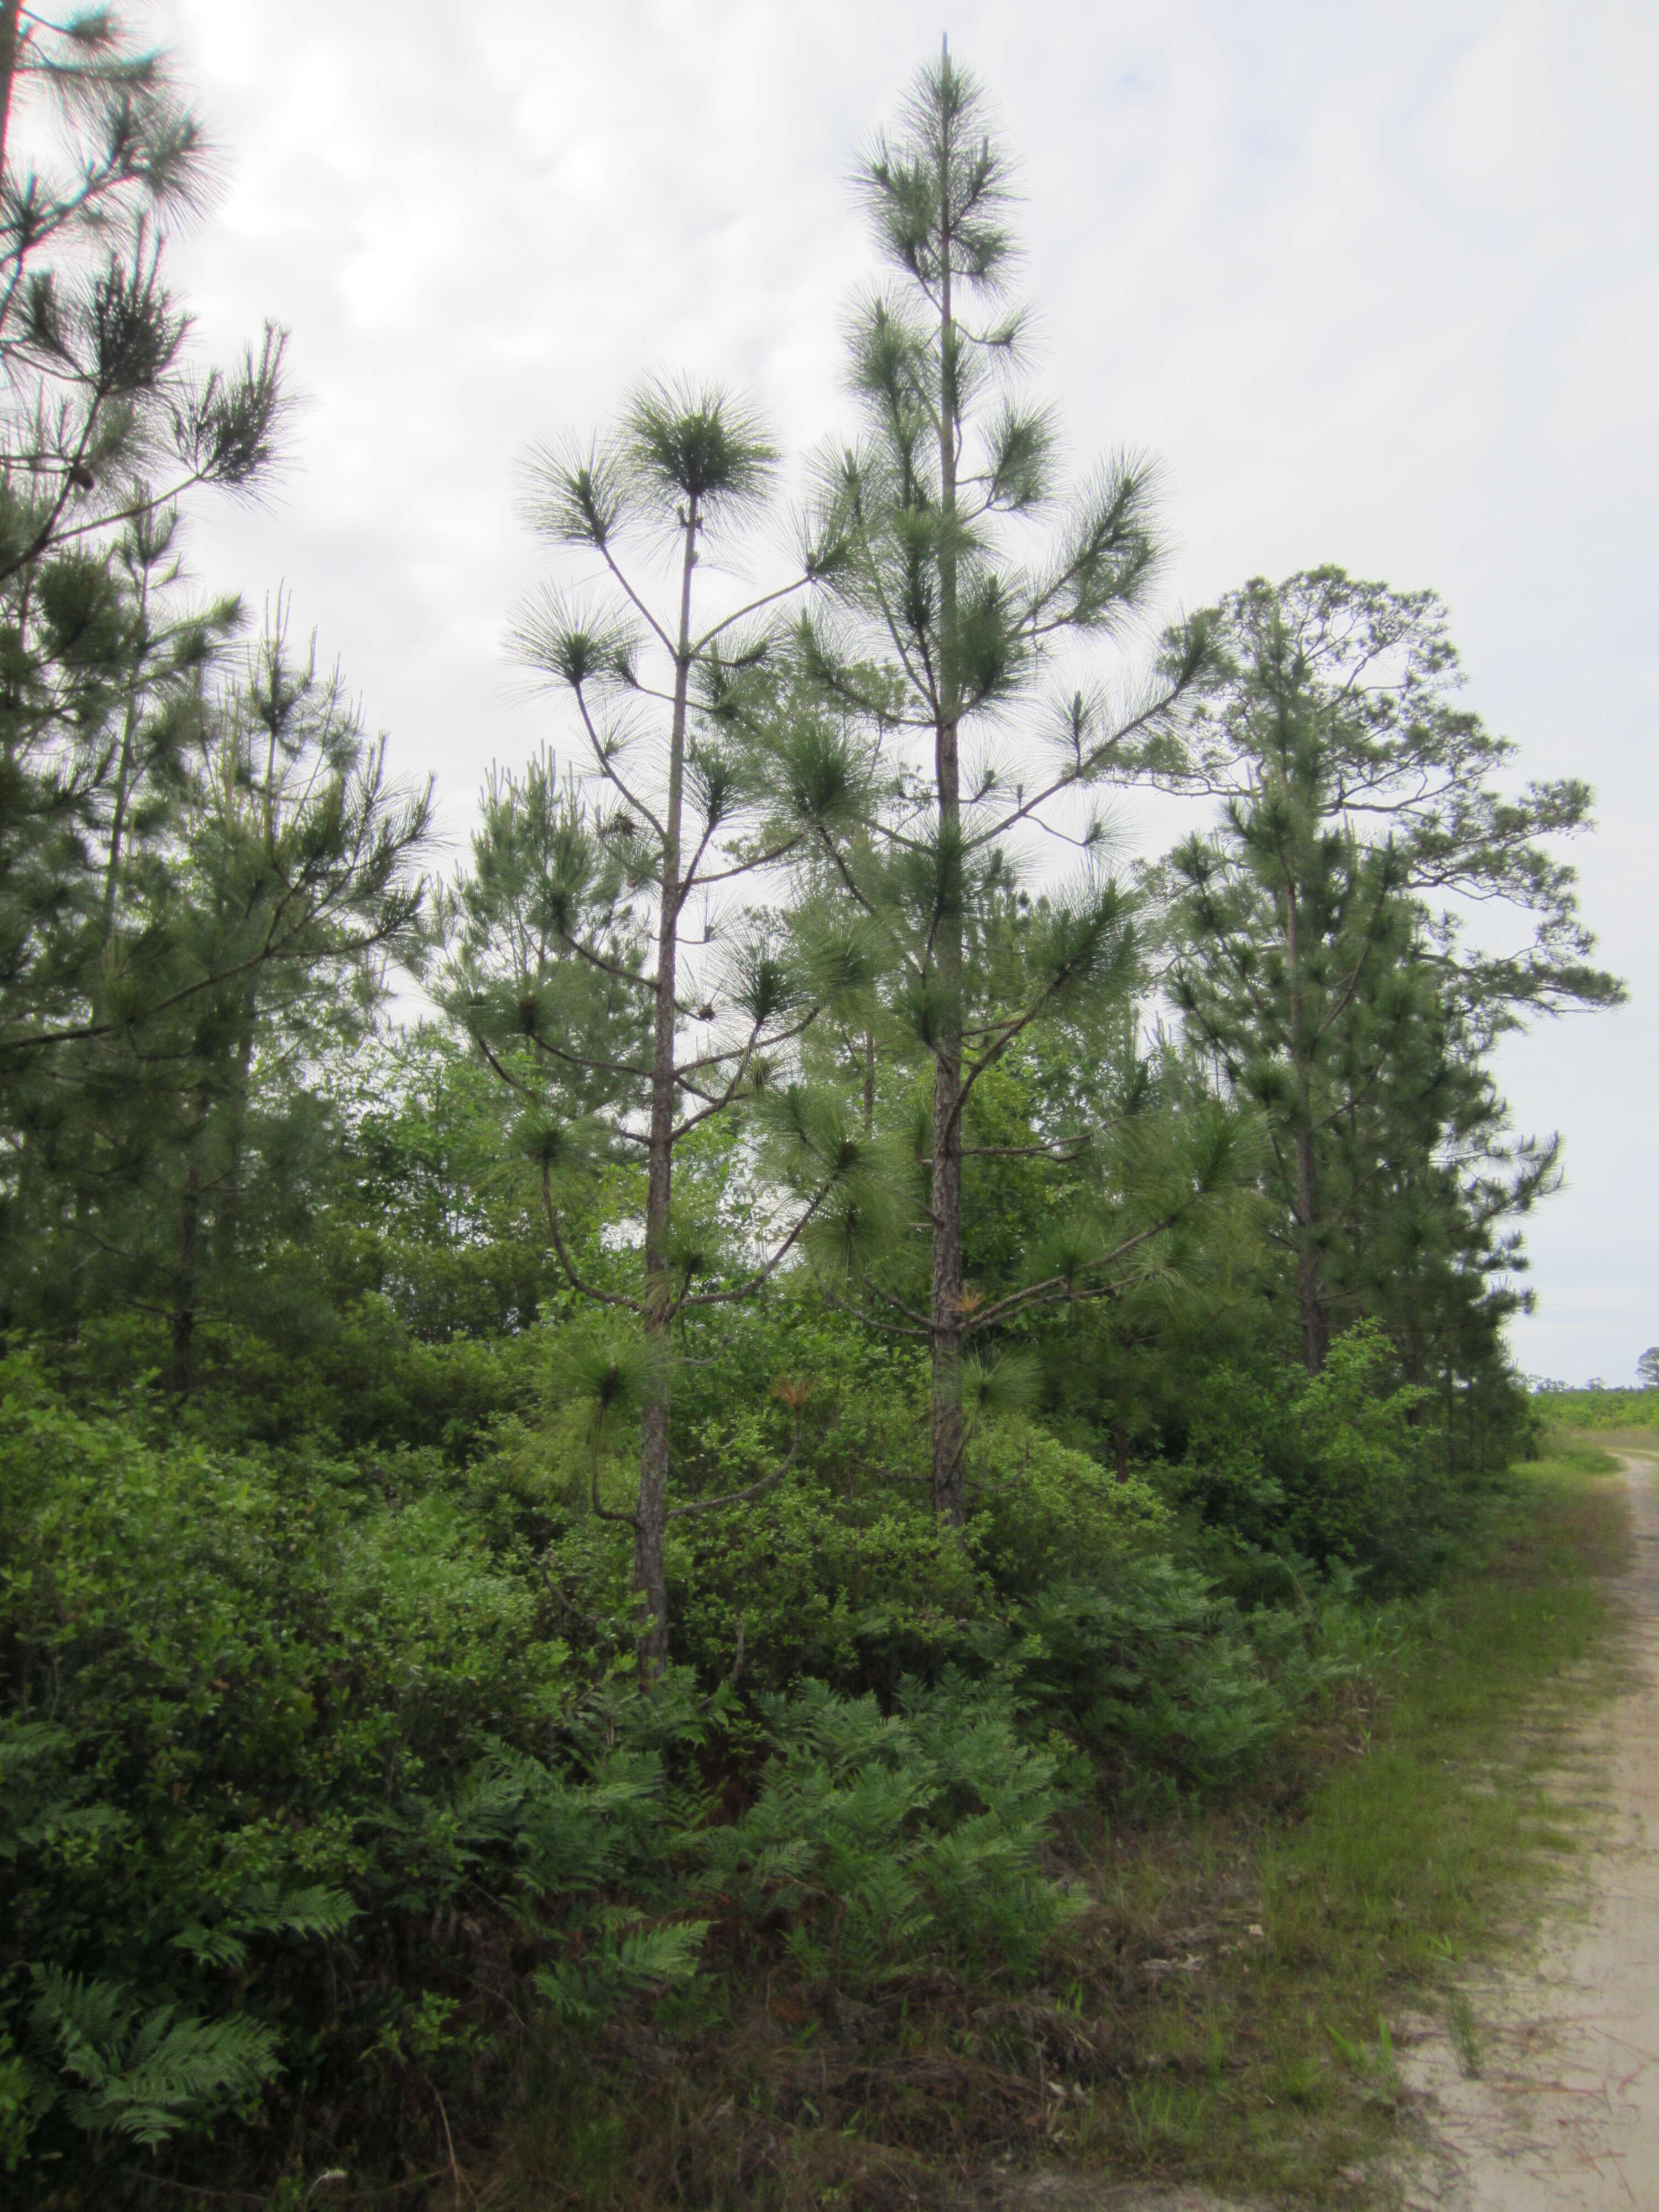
column 1339, row 1468
column 268, row 1739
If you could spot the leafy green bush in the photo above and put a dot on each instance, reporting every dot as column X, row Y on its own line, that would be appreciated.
column 1347, row 1467
column 1157, row 1677
column 858, row 1592
column 321, row 1771
column 267, row 1741
column 1047, row 1513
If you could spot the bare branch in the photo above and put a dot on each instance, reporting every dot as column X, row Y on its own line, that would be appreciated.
column 748, row 1289
column 738, row 1497
column 769, row 599
column 587, row 1289
column 610, row 560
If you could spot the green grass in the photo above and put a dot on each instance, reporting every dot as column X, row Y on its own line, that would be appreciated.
column 1610, row 1436
column 1431, row 1840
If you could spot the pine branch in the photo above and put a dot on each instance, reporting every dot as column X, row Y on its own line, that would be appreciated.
column 739, row 1498
column 587, row 1289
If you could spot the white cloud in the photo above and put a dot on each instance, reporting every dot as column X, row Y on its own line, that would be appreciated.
column 1493, row 134
column 1607, row 367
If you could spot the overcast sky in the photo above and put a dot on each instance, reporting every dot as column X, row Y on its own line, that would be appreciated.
column 1379, row 282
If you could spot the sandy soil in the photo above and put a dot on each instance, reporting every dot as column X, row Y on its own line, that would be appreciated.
column 1053, row 2192
column 1563, row 2113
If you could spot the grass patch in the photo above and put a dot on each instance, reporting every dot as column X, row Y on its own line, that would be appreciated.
column 1431, row 1839
column 1577, row 1447
column 1225, row 2012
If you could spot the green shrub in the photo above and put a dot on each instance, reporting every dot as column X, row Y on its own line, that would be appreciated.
column 266, row 1743
column 1347, row 1467
column 1047, row 1513
column 858, row 1592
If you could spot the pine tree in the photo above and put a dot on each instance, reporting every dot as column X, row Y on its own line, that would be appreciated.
column 1320, row 962
column 154, row 1153
column 578, row 963
column 105, row 425
column 152, row 921
column 98, row 392
column 962, row 570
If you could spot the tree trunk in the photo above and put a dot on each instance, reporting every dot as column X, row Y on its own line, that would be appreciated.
column 1311, row 1286
column 127, row 763
column 650, row 1509
column 949, row 1497
column 227, row 1209
column 949, row 1483
column 10, row 11
column 1121, row 1446
column 189, row 1230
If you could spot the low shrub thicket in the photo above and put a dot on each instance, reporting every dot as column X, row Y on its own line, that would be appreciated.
column 1346, row 1468
column 324, row 1772
column 1600, row 1410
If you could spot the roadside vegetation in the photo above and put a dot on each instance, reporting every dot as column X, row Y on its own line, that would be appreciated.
column 1613, row 1417
column 861, row 1518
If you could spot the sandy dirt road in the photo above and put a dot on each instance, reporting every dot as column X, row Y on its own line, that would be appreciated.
column 1563, row 2115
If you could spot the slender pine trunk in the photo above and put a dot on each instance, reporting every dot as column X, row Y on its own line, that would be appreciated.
column 126, row 770
column 10, row 11
column 227, row 1212
column 651, row 1511
column 949, row 1483
column 1311, row 1284
column 188, row 1270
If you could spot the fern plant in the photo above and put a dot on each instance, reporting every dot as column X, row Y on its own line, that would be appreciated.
column 141, row 2074
column 627, row 1957
column 887, row 1840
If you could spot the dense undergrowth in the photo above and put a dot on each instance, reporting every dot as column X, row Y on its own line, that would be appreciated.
column 336, row 1822
column 1220, row 2008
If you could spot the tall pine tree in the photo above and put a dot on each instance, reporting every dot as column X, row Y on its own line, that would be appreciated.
column 966, row 574
column 105, row 425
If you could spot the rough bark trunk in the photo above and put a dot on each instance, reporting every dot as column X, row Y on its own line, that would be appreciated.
column 227, row 1207
column 650, row 1509
column 125, row 770
column 10, row 11
column 1311, row 1286
column 949, row 1497
column 189, row 1230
